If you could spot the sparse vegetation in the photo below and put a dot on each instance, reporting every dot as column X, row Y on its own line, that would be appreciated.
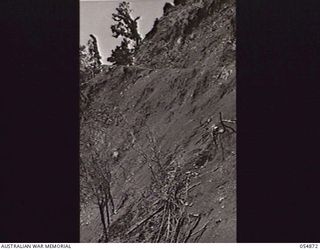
column 98, row 178
column 157, row 143
column 171, row 185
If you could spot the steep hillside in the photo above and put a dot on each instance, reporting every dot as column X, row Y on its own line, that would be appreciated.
column 164, row 129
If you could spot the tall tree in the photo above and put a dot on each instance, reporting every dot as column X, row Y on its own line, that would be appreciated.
column 126, row 27
column 90, row 59
column 122, row 55
column 84, row 64
column 94, row 55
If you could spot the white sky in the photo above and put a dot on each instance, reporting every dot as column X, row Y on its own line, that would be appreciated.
column 96, row 19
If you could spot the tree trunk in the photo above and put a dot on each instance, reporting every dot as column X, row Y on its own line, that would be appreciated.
column 104, row 226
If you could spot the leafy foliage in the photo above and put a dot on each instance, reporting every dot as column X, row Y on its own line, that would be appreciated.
column 94, row 55
column 90, row 59
column 122, row 55
column 126, row 27
column 83, row 57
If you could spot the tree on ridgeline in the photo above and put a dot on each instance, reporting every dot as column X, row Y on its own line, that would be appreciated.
column 94, row 55
column 122, row 55
column 90, row 59
column 84, row 65
column 126, row 27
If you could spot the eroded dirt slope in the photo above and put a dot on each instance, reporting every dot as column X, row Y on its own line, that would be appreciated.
column 176, row 99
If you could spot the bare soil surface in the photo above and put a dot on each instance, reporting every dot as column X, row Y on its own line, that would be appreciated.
column 182, row 91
